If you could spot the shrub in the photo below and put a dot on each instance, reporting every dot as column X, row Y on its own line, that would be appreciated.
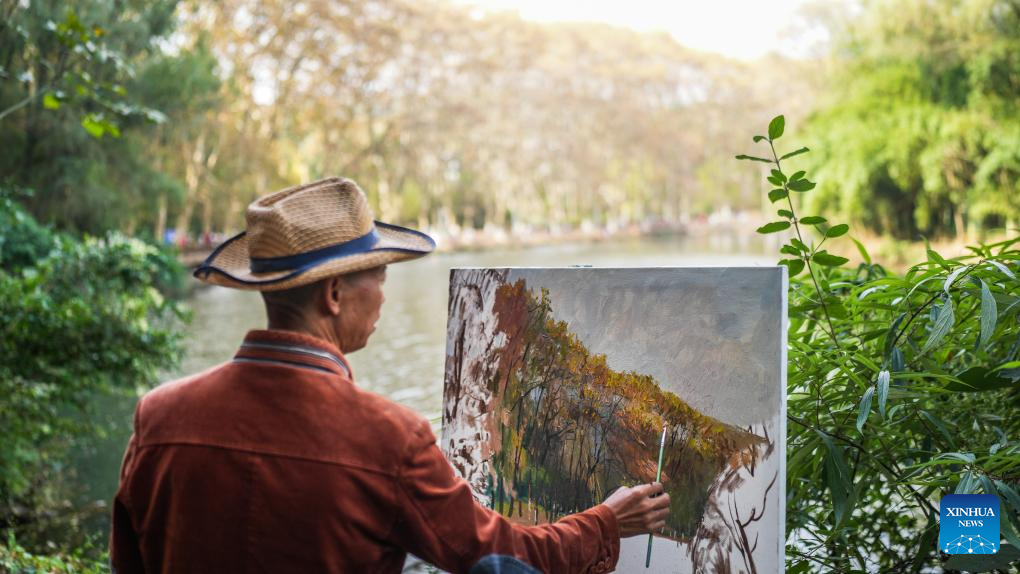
column 901, row 389
column 81, row 318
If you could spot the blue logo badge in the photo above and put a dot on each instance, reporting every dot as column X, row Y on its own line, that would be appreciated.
column 969, row 524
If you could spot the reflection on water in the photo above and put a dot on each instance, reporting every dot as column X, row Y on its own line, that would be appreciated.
column 404, row 359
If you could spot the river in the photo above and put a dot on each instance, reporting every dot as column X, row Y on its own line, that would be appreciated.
column 404, row 360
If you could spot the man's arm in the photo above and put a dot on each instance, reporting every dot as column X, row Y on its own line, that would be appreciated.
column 125, row 554
column 440, row 522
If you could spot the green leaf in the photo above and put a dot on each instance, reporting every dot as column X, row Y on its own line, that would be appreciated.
column 827, row 259
column 774, row 180
column 943, row 323
column 839, row 480
column 801, row 185
column 1004, row 269
column 862, row 251
column 790, row 250
column 865, row 408
column 777, row 194
column 774, row 227
column 1010, row 495
column 951, row 278
column 883, row 391
column 94, row 128
column 989, row 314
column 779, row 175
column 926, row 545
column 795, row 266
column 812, row 220
column 795, row 152
column 752, row 158
column 934, row 257
column 799, row 245
column 1009, row 531
column 776, row 127
column 896, row 362
column 966, row 484
column 837, row 230
column 758, row 138
column 978, row 379
column 1001, row 560
column 797, row 175
column 785, row 213
column 50, row 102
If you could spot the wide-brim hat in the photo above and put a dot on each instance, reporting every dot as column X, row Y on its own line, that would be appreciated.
column 306, row 233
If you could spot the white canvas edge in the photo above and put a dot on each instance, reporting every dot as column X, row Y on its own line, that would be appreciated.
column 784, row 322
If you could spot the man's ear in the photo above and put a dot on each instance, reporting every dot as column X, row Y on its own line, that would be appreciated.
column 330, row 295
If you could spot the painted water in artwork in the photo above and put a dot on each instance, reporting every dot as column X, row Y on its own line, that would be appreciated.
column 559, row 383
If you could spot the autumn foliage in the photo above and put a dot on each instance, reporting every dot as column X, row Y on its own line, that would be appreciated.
column 568, row 429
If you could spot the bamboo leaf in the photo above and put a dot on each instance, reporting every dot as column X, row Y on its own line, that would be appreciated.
column 934, row 257
column 862, row 251
column 1009, row 531
column 865, row 408
column 897, row 362
column 1010, row 495
column 951, row 278
column 966, row 482
column 837, row 475
column 989, row 315
column 943, row 323
column 1003, row 268
column 883, row 391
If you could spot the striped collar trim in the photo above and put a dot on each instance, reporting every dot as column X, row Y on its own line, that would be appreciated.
column 292, row 349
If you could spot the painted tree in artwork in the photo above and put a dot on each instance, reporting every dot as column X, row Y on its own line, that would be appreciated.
column 571, row 429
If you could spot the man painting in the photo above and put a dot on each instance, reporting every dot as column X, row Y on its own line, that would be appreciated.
column 276, row 461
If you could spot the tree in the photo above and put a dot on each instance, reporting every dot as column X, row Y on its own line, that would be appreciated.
column 923, row 136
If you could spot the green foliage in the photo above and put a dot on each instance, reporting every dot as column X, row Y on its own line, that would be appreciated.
column 937, row 349
column 17, row 560
column 84, row 319
column 83, row 91
column 923, row 135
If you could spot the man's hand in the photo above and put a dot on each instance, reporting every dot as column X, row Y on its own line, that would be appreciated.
column 639, row 509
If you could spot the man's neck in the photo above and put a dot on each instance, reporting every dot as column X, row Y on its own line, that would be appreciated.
column 298, row 324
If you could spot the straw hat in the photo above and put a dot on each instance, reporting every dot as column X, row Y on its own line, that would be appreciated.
column 306, row 233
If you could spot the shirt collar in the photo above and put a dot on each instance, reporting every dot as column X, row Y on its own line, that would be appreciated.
column 293, row 348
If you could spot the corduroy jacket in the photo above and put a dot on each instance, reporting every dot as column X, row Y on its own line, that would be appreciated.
column 277, row 462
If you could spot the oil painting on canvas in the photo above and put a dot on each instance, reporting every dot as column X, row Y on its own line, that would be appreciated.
column 559, row 383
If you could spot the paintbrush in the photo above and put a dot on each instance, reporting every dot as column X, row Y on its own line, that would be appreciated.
column 658, row 477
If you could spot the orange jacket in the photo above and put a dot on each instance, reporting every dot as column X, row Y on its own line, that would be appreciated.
column 277, row 462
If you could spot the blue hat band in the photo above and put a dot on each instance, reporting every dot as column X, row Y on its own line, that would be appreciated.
column 361, row 244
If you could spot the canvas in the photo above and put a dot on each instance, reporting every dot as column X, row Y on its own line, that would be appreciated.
column 559, row 383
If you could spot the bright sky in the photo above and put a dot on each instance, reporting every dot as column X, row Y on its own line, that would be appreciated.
column 745, row 29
